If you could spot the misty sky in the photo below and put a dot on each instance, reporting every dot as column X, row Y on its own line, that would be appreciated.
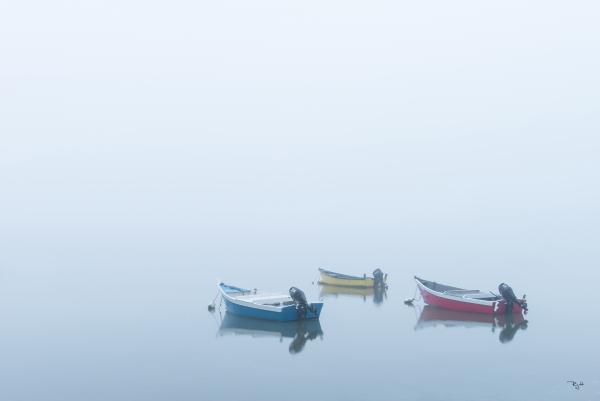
column 267, row 115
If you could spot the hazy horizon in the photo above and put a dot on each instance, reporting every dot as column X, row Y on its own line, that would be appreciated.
column 148, row 150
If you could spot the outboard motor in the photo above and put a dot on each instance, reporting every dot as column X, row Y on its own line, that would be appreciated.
column 379, row 278
column 509, row 295
column 300, row 300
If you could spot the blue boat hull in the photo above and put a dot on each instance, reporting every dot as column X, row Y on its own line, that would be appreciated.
column 286, row 314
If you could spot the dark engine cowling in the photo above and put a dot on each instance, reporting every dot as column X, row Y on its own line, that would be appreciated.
column 507, row 293
column 300, row 300
column 379, row 278
column 509, row 296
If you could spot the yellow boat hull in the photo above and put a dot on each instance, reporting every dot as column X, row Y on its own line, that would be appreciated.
column 360, row 283
column 336, row 290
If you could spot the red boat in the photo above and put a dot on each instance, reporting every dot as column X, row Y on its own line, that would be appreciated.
column 460, row 299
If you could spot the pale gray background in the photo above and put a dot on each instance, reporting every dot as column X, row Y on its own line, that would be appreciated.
column 149, row 148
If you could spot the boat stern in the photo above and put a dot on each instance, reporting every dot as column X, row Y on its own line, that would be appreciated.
column 315, row 310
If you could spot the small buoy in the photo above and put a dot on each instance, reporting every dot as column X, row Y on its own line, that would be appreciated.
column 409, row 301
column 211, row 307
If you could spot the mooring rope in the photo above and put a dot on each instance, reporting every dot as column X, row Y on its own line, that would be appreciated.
column 212, row 305
column 410, row 301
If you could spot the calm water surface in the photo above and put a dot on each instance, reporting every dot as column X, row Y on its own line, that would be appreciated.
column 129, row 320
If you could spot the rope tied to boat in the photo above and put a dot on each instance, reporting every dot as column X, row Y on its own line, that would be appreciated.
column 213, row 304
column 410, row 301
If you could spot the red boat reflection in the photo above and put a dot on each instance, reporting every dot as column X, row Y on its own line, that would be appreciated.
column 508, row 324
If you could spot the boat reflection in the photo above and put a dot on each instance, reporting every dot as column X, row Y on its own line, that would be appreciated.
column 508, row 324
column 379, row 294
column 300, row 331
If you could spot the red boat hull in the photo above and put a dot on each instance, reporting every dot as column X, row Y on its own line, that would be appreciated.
column 442, row 300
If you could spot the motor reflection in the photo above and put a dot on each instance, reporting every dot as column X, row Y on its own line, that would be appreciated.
column 300, row 332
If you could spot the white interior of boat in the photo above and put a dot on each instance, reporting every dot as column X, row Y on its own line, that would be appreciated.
column 459, row 292
column 474, row 294
column 266, row 299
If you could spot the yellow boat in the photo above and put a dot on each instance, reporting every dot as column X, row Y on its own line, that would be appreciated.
column 378, row 279
column 336, row 290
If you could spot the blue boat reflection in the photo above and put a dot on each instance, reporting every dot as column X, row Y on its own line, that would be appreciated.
column 379, row 294
column 300, row 331
column 508, row 324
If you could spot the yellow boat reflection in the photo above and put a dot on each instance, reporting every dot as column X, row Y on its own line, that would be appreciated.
column 379, row 294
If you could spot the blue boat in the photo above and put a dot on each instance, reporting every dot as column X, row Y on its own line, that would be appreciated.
column 269, row 306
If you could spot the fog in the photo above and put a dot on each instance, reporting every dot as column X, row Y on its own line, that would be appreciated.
column 149, row 149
